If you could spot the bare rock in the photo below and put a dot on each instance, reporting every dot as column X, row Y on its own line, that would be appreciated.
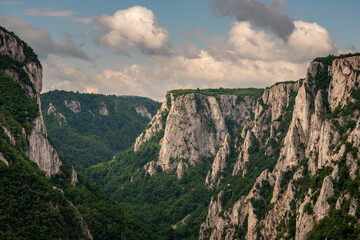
column 219, row 162
column 74, row 177
column 321, row 207
column 74, row 106
column 2, row 158
column 10, row 136
column 142, row 111
column 40, row 149
column 103, row 110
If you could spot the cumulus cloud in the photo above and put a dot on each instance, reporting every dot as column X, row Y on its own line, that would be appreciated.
column 48, row 12
column 41, row 40
column 133, row 28
column 208, row 71
column 128, row 80
column 265, row 15
column 307, row 41
column 248, row 58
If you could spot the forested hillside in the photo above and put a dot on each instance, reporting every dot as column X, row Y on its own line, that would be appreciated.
column 90, row 128
column 173, row 201
column 41, row 196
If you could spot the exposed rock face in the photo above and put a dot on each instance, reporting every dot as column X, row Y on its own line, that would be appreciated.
column 74, row 177
column 74, row 106
column 212, row 220
column 142, row 111
column 155, row 125
column 344, row 78
column 40, row 150
column 103, row 110
column 3, row 159
column 10, row 46
column 10, row 136
column 181, row 168
column 219, row 163
column 310, row 136
column 321, row 206
column 60, row 116
column 195, row 127
column 290, row 149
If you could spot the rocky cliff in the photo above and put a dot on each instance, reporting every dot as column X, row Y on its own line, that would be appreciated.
column 27, row 190
column 26, row 70
column 284, row 163
column 41, row 196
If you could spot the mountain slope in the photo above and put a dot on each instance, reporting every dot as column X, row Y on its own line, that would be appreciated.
column 279, row 163
column 28, row 199
column 165, row 200
column 90, row 128
column 41, row 195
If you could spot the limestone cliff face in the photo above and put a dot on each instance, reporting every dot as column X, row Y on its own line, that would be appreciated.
column 142, row 111
column 40, row 149
column 155, row 125
column 312, row 137
column 295, row 134
column 194, row 128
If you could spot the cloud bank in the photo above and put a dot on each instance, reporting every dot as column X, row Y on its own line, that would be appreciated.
column 248, row 58
column 133, row 28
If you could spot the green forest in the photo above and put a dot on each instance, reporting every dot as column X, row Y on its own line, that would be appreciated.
column 87, row 137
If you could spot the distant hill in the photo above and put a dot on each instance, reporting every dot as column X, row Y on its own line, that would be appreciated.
column 90, row 128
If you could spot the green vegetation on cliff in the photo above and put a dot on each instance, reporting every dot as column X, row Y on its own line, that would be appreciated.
column 29, row 205
column 32, row 205
column 87, row 137
column 161, row 200
column 241, row 92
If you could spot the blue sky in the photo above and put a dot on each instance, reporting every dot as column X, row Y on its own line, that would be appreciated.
column 148, row 47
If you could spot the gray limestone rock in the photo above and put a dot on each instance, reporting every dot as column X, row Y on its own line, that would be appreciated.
column 74, row 106
column 142, row 111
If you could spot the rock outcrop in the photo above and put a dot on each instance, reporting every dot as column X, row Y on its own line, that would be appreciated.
column 40, row 149
column 142, row 111
column 75, row 106
column 195, row 126
column 103, row 110
column 311, row 137
column 2, row 158
column 277, row 143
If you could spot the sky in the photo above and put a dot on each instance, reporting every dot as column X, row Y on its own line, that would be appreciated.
column 145, row 48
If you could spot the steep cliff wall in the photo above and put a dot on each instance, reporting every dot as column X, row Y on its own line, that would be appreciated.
column 305, row 179
column 282, row 163
column 27, row 70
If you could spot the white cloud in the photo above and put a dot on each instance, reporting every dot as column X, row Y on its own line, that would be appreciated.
column 307, row 41
column 249, row 58
column 130, row 80
column 134, row 28
column 170, row 73
column 208, row 71
column 48, row 12
column 41, row 41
